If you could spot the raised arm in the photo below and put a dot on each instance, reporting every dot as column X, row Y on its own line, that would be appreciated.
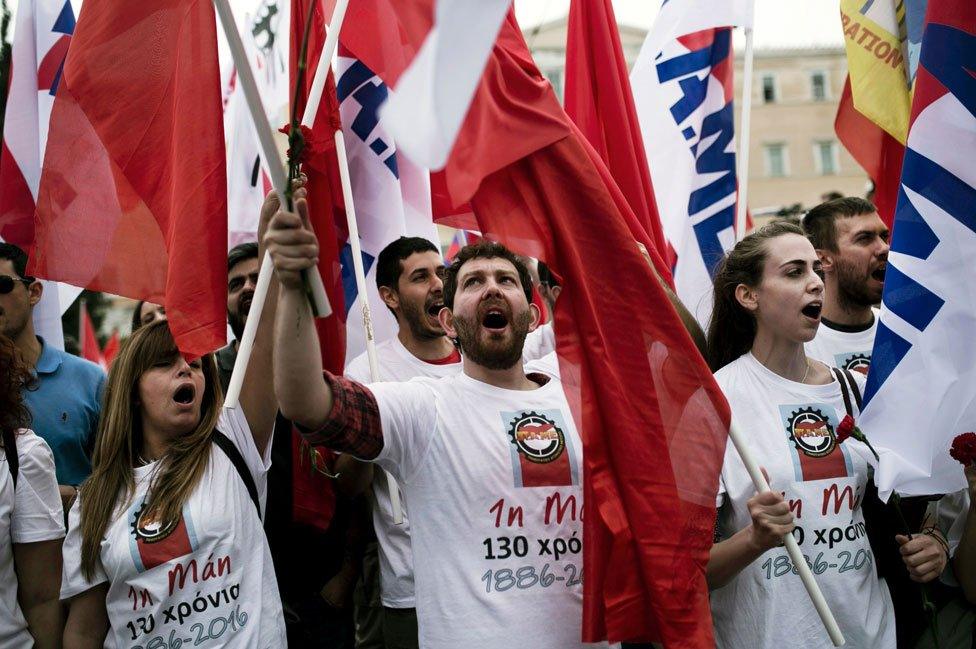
column 259, row 408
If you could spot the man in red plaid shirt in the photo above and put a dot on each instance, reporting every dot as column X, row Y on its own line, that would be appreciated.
column 489, row 460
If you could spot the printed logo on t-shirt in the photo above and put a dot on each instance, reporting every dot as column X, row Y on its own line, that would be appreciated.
column 854, row 361
column 813, row 443
column 541, row 456
column 153, row 543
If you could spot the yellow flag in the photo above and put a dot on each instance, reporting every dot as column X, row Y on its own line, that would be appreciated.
column 876, row 62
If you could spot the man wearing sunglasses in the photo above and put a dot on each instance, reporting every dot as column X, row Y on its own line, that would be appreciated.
column 66, row 403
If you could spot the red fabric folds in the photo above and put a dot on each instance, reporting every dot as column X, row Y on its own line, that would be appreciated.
column 133, row 193
column 879, row 154
column 600, row 102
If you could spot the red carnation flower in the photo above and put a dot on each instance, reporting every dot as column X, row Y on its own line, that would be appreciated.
column 845, row 429
column 964, row 449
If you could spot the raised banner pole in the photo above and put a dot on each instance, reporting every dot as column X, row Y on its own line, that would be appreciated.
column 311, row 110
column 792, row 547
column 279, row 179
column 743, row 152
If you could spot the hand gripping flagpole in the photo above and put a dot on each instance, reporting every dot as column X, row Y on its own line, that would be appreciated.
column 279, row 179
column 744, row 126
column 792, row 547
column 311, row 110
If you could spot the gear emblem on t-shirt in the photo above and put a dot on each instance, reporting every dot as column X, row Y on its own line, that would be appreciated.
column 858, row 363
column 147, row 529
column 811, row 432
column 537, row 437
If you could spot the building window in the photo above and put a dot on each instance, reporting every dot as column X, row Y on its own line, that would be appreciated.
column 776, row 160
column 769, row 88
column 818, row 86
column 825, row 157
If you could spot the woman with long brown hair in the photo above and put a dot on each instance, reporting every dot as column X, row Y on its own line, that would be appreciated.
column 165, row 546
column 31, row 525
column 768, row 297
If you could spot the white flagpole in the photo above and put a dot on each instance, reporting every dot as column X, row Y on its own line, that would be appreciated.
column 280, row 181
column 744, row 126
column 792, row 547
column 311, row 110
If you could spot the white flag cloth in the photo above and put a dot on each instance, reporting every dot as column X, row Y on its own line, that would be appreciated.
column 265, row 27
column 921, row 389
column 41, row 37
column 392, row 196
column 682, row 85
column 431, row 98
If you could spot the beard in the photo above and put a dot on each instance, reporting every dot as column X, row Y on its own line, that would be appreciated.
column 416, row 318
column 493, row 354
column 852, row 287
column 237, row 318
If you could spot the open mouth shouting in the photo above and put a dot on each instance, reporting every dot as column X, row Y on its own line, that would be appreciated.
column 879, row 273
column 494, row 319
column 434, row 308
column 812, row 310
column 185, row 394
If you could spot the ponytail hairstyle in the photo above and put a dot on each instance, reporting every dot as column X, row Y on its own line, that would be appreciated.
column 732, row 329
column 111, row 485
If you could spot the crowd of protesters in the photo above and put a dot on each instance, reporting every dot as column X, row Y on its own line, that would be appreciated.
column 360, row 510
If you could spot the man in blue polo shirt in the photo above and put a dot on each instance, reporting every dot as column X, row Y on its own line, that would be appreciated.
column 66, row 402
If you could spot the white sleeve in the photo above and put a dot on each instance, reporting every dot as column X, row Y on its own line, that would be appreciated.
column 358, row 370
column 37, row 514
column 73, row 581
column 409, row 418
column 233, row 424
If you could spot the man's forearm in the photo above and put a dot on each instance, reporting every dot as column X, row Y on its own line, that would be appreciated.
column 302, row 395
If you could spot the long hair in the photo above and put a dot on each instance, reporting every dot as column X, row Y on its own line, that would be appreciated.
column 732, row 329
column 15, row 377
column 111, row 485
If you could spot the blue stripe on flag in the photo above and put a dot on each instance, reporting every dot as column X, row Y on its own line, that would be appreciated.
column 349, row 290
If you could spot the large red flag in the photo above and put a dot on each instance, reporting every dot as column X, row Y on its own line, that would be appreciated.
column 133, row 192
column 879, row 154
column 653, row 421
column 328, row 214
column 599, row 101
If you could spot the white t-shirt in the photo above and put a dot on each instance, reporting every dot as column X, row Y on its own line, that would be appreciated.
column 539, row 343
column 31, row 513
column 207, row 581
column 790, row 428
column 396, row 363
column 837, row 347
column 494, row 482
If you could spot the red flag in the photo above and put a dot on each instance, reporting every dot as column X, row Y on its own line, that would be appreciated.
column 328, row 214
column 87, row 342
column 111, row 349
column 653, row 421
column 599, row 100
column 879, row 154
column 313, row 495
column 133, row 193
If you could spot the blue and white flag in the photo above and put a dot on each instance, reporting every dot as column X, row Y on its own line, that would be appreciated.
column 392, row 196
column 921, row 389
column 682, row 85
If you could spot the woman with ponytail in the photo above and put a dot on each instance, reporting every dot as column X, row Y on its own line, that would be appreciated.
column 165, row 544
column 768, row 297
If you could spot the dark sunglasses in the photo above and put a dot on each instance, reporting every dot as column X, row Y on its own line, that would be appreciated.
column 7, row 283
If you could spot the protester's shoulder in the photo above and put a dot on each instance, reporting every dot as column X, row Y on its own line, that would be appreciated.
column 32, row 449
column 728, row 376
column 82, row 368
column 358, row 369
column 548, row 365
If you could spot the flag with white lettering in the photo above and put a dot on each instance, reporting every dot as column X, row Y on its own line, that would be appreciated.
column 682, row 86
column 392, row 195
column 921, row 389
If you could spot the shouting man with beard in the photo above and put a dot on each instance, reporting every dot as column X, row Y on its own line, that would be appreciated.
column 489, row 459
column 852, row 243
